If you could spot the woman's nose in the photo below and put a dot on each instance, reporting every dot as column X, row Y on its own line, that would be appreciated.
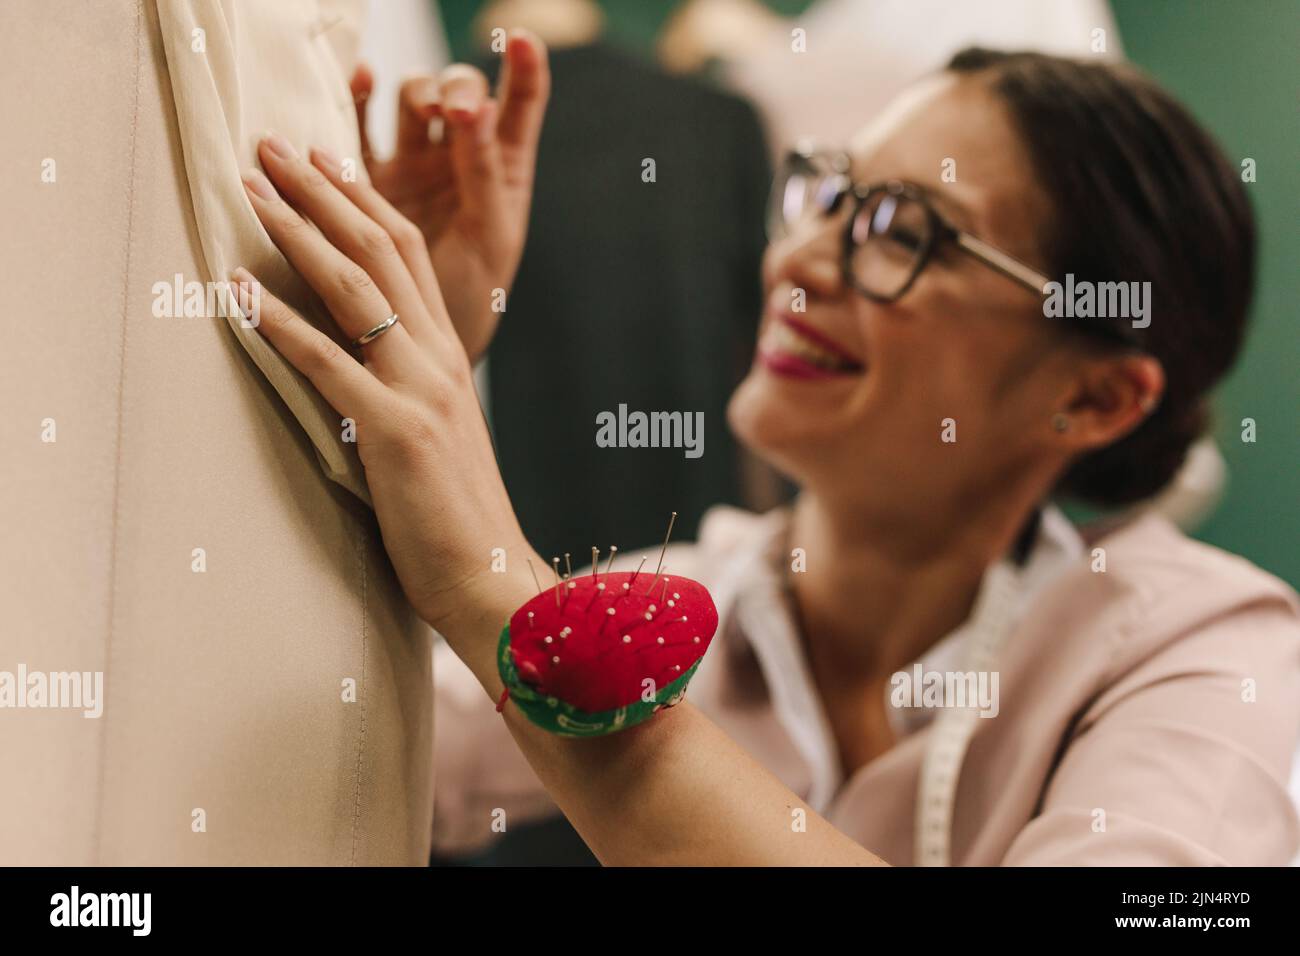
column 809, row 256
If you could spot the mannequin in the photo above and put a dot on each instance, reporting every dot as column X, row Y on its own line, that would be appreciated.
column 196, row 533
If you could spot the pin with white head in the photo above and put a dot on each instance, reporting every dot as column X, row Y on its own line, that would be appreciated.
column 627, row 585
column 613, row 550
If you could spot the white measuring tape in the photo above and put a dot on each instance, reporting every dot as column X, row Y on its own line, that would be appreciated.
column 951, row 732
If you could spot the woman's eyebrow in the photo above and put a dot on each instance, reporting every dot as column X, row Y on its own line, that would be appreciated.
column 950, row 208
column 957, row 214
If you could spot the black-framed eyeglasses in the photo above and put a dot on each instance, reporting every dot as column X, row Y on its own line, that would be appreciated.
column 891, row 232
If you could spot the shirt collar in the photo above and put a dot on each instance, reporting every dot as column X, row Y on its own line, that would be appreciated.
column 755, row 616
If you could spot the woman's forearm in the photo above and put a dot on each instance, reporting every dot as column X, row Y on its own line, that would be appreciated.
column 674, row 790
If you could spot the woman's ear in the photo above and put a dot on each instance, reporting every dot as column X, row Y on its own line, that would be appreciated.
column 1111, row 396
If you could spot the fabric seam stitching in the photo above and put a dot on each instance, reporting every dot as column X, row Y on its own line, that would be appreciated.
column 121, row 405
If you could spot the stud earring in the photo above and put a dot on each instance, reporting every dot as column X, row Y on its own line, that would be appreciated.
column 1061, row 422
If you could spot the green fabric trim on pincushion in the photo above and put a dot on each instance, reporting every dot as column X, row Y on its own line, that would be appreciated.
column 561, row 717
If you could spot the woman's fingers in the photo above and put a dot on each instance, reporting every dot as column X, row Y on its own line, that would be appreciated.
column 407, row 237
column 476, row 159
column 349, row 293
column 462, row 88
column 417, row 105
column 472, row 144
column 523, row 90
column 349, row 388
column 349, row 229
column 362, row 84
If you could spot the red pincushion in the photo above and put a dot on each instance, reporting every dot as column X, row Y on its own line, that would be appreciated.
column 605, row 658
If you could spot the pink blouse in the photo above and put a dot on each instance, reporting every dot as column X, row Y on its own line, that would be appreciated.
column 1144, row 714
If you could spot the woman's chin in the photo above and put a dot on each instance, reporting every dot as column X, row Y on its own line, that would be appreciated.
column 776, row 432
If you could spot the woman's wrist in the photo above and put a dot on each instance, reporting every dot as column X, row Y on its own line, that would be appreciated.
column 488, row 599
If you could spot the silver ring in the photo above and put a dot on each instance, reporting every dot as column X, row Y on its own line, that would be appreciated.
column 377, row 331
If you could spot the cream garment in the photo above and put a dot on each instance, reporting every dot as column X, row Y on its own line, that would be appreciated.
column 182, row 535
column 1147, row 715
column 244, row 77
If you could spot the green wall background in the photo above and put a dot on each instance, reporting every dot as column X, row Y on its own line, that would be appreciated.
column 1236, row 64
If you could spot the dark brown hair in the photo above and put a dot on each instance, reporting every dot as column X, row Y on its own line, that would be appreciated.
column 1140, row 193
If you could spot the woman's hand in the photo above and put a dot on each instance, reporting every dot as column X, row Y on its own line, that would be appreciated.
column 420, row 433
column 469, row 193
column 442, row 508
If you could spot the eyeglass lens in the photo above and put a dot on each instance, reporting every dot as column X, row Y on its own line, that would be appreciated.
column 890, row 233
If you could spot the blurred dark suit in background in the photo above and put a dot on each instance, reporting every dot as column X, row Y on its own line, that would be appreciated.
column 630, row 292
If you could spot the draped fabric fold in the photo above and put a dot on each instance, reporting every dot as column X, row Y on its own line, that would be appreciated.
column 212, row 56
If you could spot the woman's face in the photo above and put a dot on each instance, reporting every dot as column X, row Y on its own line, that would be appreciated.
column 963, row 343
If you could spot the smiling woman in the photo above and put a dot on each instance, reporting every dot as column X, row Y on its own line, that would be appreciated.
column 911, row 553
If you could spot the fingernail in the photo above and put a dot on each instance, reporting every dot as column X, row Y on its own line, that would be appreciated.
column 280, row 146
column 242, row 281
column 458, row 104
column 325, row 157
column 248, row 293
column 526, row 36
column 258, row 184
column 425, row 100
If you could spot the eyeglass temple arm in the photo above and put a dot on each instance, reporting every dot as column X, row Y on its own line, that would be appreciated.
column 1010, row 267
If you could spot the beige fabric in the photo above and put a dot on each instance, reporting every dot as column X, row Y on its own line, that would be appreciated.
column 224, row 690
column 1125, row 735
column 303, row 97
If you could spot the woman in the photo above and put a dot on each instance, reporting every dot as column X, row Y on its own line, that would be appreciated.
column 1138, row 694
